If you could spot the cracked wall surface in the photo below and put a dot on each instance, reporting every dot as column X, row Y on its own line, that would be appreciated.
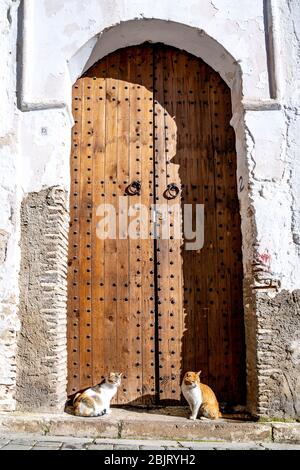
column 57, row 41
column 41, row 359
column 9, row 208
column 76, row 23
column 278, row 353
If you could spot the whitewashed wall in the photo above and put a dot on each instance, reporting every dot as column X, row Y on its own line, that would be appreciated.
column 10, row 201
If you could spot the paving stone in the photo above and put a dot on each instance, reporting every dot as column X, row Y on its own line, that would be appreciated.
column 73, row 447
column 145, row 447
column 47, row 445
column 137, row 442
column 204, row 446
column 45, row 448
column 13, row 446
column 126, row 447
column 50, row 443
column 173, row 447
column 198, row 445
column 67, row 440
column 27, row 442
column 237, row 446
column 155, row 442
column 278, row 446
column 4, row 442
column 101, row 447
column 286, row 432
column 23, row 441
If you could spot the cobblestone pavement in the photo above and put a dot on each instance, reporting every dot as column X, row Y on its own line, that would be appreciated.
column 39, row 442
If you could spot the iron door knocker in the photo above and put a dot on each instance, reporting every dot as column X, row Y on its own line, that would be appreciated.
column 172, row 191
column 134, row 189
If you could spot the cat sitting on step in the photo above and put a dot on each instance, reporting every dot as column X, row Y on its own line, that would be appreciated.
column 200, row 397
column 95, row 401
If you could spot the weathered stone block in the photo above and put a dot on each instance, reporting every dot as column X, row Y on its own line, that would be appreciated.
column 289, row 433
column 42, row 371
column 279, row 372
column 197, row 431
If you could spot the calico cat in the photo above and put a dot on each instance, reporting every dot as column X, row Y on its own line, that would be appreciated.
column 95, row 401
column 200, row 397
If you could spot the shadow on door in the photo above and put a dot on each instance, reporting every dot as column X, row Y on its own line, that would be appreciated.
column 202, row 162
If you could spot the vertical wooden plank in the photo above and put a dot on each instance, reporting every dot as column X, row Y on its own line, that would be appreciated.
column 223, row 279
column 73, row 271
column 124, row 332
column 174, row 101
column 85, row 238
column 98, row 274
column 203, row 193
column 163, row 286
column 187, row 159
column 147, row 244
column 135, row 250
column 209, row 260
column 110, row 244
column 230, row 257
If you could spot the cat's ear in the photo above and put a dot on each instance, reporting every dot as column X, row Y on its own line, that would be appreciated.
column 199, row 373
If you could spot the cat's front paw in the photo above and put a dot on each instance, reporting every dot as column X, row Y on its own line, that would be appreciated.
column 192, row 417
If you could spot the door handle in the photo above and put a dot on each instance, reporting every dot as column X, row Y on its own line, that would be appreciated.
column 134, row 189
column 172, row 191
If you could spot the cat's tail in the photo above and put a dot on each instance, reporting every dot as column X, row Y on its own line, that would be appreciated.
column 232, row 412
column 238, row 416
column 75, row 398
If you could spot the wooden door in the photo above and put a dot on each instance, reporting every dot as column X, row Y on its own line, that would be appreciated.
column 200, row 311
column 111, row 281
column 146, row 306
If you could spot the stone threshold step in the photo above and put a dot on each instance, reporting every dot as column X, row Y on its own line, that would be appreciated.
column 131, row 424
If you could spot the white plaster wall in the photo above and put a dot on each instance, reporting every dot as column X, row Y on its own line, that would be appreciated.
column 274, row 159
column 57, row 29
column 63, row 36
column 9, row 207
column 45, row 143
column 290, row 24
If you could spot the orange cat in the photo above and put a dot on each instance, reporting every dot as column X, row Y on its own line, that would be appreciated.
column 200, row 397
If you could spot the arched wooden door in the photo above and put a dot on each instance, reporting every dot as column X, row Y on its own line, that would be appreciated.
column 152, row 115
